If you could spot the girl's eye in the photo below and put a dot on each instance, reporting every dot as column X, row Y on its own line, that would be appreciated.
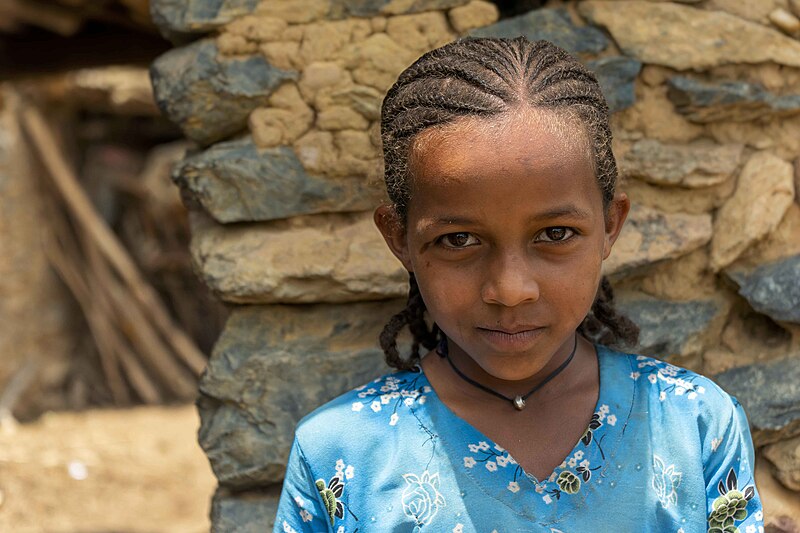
column 555, row 234
column 461, row 239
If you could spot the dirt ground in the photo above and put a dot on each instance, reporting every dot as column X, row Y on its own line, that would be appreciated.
column 104, row 471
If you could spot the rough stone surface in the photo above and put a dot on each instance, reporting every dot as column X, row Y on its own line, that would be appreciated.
column 773, row 289
column 243, row 513
column 763, row 194
column 669, row 328
column 617, row 77
column 731, row 100
column 197, row 16
column 684, row 37
column 235, row 181
column 317, row 258
column 211, row 97
column 370, row 8
column 770, row 393
column 785, row 455
column 476, row 14
column 272, row 366
column 649, row 236
column 700, row 164
column 553, row 25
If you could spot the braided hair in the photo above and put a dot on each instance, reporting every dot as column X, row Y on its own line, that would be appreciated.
column 487, row 77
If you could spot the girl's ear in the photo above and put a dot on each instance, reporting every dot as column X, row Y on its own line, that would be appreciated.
column 394, row 233
column 615, row 218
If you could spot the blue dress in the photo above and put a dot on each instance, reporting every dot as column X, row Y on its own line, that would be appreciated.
column 667, row 450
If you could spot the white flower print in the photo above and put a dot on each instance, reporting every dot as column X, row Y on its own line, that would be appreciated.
column 502, row 460
column 604, row 409
column 301, row 503
column 426, row 388
column 483, row 446
column 585, row 463
column 611, row 420
column 459, row 528
column 376, row 406
column 579, row 455
column 385, row 399
column 358, row 406
column 572, row 462
column 340, row 465
column 393, row 419
column 539, row 489
column 421, row 498
column 287, row 528
column 759, row 515
column 652, row 378
column 306, row 516
column 349, row 472
column 679, row 391
column 662, row 396
column 692, row 395
column 340, row 530
column 499, row 448
column 715, row 442
column 665, row 482
column 513, row 486
column 474, row 448
column 422, row 399
column 635, row 375
column 750, row 529
column 469, row 462
column 409, row 401
column 547, row 499
column 491, row 466
column 700, row 389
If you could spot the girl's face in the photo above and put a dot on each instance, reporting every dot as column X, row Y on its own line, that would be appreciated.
column 506, row 233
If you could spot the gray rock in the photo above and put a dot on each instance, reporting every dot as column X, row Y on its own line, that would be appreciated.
column 243, row 512
column 731, row 100
column 211, row 97
column 617, row 75
column 371, row 8
column 236, row 181
column 699, row 164
column 668, row 328
column 197, row 16
column 770, row 393
column 273, row 365
column 773, row 289
column 553, row 25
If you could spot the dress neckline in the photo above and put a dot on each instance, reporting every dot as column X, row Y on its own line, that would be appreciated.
column 497, row 474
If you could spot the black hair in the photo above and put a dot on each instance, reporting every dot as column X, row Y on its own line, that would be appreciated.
column 483, row 77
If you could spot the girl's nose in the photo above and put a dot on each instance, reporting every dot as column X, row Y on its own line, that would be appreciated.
column 510, row 281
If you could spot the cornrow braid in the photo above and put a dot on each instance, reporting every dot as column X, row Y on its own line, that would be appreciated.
column 481, row 78
column 604, row 324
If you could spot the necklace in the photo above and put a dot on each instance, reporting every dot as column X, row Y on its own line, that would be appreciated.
column 517, row 401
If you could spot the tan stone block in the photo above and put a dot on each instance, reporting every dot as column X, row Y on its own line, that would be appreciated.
column 780, row 135
column 420, row 32
column 316, row 151
column 282, row 54
column 781, row 505
column 755, row 11
column 782, row 242
column 322, row 41
column 785, row 455
column 235, row 45
column 678, row 199
column 785, row 21
column 473, row 15
column 764, row 192
column 794, row 7
column 363, row 99
column 685, row 278
column 654, row 115
column 319, row 75
column 355, row 143
column 317, row 258
column 294, row 32
column 341, row 118
column 378, row 24
column 684, row 37
column 295, row 11
column 258, row 28
column 286, row 121
column 377, row 61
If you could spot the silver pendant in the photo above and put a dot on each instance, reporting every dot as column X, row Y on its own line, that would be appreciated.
column 519, row 403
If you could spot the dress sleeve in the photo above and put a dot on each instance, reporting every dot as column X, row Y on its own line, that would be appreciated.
column 732, row 501
column 300, row 508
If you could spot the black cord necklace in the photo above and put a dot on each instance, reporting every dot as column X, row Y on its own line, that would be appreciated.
column 518, row 401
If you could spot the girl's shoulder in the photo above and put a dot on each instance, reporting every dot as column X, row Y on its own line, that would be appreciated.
column 369, row 410
column 668, row 389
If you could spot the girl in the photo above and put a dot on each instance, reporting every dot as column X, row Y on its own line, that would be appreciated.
column 499, row 167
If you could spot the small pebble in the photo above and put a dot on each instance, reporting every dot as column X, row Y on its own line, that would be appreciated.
column 785, row 21
column 77, row 470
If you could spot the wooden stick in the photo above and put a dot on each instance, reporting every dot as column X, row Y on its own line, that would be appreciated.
column 83, row 211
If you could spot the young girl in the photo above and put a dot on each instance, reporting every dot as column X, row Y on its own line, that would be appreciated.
column 499, row 167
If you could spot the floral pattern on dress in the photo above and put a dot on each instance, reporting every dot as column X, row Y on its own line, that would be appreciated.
column 731, row 505
column 331, row 493
column 674, row 380
column 665, row 482
column 387, row 394
column 567, row 478
column 421, row 497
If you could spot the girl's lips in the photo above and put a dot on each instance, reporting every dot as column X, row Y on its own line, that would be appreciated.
column 513, row 340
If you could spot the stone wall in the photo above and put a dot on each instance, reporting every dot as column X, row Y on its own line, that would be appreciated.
column 282, row 98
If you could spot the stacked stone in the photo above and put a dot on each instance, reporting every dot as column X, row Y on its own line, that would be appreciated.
column 282, row 98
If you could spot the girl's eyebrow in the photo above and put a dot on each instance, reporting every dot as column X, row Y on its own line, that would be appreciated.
column 569, row 210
